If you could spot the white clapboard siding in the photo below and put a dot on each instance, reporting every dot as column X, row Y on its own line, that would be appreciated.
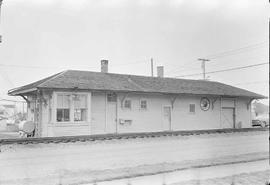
column 243, row 114
column 182, row 119
column 68, row 130
column 149, row 120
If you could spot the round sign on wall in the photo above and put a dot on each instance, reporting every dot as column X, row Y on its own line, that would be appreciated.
column 205, row 104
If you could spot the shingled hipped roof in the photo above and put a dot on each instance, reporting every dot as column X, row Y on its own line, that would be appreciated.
column 86, row 80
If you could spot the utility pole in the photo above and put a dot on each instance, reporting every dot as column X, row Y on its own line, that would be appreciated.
column 152, row 66
column 203, row 65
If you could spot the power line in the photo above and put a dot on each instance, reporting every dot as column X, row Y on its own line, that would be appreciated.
column 237, row 51
column 182, row 66
column 53, row 67
column 255, row 82
column 25, row 66
column 5, row 77
column 224, row 70
column 213, row 64
column 225, row 53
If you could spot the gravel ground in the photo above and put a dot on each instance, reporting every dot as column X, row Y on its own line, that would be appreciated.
column 39, row 163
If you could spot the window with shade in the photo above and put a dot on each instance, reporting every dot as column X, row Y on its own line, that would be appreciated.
column 192, row 108
column 63, row 108
column 127, row 104
column 80, row 107
column 143, row 104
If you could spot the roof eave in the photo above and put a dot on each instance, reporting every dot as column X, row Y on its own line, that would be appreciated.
column 17, row 92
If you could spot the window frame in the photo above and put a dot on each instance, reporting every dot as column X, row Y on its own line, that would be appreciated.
column 110, row 96
column 124, row 105
column 71, row 109
column 63, row 112
column 62, row 108
column 190, row 108
column 141, row 108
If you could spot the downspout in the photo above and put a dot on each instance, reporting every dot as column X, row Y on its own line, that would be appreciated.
column 234, row 114
column 220, row 112
column 116, row 121
column 106, row 109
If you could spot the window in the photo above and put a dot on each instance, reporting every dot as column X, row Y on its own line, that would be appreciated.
column 71, row 107
column 143, row 104
column 63, row 108
column 192, row 108
column 80, row 106
column 62, row 115
column 127, row 104
column 111, row 97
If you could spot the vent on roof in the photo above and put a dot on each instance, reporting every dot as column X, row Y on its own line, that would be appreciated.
column 104, row 66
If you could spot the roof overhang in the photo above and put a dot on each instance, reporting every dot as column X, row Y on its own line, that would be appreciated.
column 17, row 92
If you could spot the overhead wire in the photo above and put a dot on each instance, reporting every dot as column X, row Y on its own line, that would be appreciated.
column 236, row 51
column 224, row 53
column 251, row 83
column 225, row 70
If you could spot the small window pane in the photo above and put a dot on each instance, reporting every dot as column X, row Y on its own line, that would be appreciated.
column 143, row 104
column 80, row 115
column 192, row 108
column 63, row 101
column 127, row 104
column 80, row 101
column 111, row 97
column 62, row 115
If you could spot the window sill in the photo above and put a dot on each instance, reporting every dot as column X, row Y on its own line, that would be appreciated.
column 66, row 124
column 143, row 109
column 126, row 109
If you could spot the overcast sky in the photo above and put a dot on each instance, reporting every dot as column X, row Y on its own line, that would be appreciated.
column 43, row 37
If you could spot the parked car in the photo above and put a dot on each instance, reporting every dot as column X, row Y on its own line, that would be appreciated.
column 261, row 123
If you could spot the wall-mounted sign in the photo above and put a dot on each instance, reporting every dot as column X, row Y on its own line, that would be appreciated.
column 205, row 104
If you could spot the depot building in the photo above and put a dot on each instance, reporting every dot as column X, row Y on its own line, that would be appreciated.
column 86, row 103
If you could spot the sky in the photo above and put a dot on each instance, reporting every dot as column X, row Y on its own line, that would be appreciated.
column 44, row 37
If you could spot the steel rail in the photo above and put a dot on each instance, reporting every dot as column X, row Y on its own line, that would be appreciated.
column 101, row 137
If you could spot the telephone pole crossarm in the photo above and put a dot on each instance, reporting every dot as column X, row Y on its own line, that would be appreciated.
column 203, row 65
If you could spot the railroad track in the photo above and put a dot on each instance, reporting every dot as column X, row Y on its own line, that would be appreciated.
column 84, row 138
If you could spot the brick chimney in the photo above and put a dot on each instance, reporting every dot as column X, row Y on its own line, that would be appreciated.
column 104, row 66
column 160, row 71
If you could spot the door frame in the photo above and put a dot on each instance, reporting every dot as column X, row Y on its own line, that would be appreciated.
column 107, row 111
column 170, row 125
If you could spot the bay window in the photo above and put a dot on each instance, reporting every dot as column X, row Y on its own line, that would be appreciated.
column 71, row 107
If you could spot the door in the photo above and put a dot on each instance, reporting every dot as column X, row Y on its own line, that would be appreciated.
column 166, row 118
column 227, row 118
column 111, row 117
column 111, row 120
column 98, row 108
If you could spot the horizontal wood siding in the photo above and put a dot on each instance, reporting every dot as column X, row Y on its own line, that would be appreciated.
column 149, row 120
column 68, row 130
column 53, row 128
column 182, row 119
